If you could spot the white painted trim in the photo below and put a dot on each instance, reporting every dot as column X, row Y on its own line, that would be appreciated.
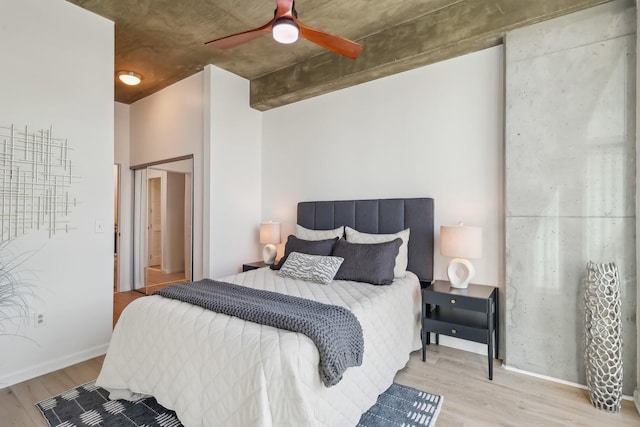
column 52, row 365
column 636, row 399
column 556, row 380
column 207, row 120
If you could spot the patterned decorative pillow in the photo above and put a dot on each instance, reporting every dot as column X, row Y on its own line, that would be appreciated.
column 314, row 268
column 307, row 234
column 400, row 267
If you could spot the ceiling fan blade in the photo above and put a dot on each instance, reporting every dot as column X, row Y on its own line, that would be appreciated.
column 337, row 44
column 285, row 8
column 234, row 40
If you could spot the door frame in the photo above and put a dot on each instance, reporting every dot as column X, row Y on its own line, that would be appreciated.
column 140, row 243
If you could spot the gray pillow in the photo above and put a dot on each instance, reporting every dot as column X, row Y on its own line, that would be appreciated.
column 314, row 268
column 370, row 263
column 400, row 269
column 311, row 247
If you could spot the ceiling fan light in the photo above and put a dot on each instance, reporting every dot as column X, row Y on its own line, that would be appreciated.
column 129, row 78
column 285, row 31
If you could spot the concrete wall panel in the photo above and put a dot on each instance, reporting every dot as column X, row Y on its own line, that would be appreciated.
column 570, row 183
column 546, row 264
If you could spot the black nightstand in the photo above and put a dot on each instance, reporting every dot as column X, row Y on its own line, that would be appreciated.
column 470, row 314
column 253, row 265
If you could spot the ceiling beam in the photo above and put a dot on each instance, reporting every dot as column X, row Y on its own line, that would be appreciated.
column 463, row 27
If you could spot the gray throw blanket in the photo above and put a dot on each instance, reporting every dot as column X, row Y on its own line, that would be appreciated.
column 335, row 330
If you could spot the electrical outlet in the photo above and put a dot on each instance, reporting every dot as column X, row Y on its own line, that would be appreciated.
column 39, row 319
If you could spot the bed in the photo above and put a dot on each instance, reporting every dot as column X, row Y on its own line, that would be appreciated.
column 219, row 370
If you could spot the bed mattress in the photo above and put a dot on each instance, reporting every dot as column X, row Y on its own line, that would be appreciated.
column 217, row 370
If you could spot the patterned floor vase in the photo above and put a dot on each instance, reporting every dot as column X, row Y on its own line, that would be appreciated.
column 603, row 341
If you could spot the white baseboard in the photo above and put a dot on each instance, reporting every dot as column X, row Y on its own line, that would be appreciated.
column 558, row 380
column 52, row 365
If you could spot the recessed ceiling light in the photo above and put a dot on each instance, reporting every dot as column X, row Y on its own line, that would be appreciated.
column 129, row 78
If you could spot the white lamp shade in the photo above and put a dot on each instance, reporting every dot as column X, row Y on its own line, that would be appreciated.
column 270, row 232
column 461, row 241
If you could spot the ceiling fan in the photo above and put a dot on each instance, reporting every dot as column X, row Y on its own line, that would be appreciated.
column 286, row 28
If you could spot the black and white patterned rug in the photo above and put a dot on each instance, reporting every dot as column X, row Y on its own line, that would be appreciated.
column 89, row 405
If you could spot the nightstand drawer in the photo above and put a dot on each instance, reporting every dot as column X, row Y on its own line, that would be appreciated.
column 454, row 330
column 455, row 301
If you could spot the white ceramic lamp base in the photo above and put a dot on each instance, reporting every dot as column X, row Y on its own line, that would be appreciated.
column 269, row 254
column 460, row 273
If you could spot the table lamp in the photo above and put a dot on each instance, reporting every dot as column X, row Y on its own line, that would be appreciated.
column 461, row 242
column 270, row 235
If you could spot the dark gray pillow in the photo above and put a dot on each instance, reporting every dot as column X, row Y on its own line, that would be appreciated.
column 371, row 263
column 310, row 247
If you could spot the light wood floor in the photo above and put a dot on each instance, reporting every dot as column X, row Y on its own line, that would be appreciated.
column 470, row 399
column 155, row 277
column 17, row 403
column 511, row 399
column 156, row 280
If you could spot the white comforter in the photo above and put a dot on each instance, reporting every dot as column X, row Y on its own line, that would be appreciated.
column 217, row 370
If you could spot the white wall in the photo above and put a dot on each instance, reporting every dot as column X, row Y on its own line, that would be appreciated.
column 431, row 132
column 233, row 177
column 121, row 157
column 208, row 115
column 169, row 124
column 52, row 77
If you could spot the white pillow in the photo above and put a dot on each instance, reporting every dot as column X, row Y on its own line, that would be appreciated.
column 314, row 268
column 306, row 234
column 400, row 269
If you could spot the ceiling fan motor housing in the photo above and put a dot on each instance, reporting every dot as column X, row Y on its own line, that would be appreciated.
column 286, row 28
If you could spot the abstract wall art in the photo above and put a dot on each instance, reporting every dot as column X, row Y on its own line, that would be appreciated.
column 36, row 176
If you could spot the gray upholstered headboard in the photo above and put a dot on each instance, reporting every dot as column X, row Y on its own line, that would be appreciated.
column 380, row 216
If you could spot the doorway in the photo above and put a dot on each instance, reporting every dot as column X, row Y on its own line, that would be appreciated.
column 163, row 241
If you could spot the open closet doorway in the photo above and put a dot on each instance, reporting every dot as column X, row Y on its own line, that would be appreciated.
column 163, row 210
